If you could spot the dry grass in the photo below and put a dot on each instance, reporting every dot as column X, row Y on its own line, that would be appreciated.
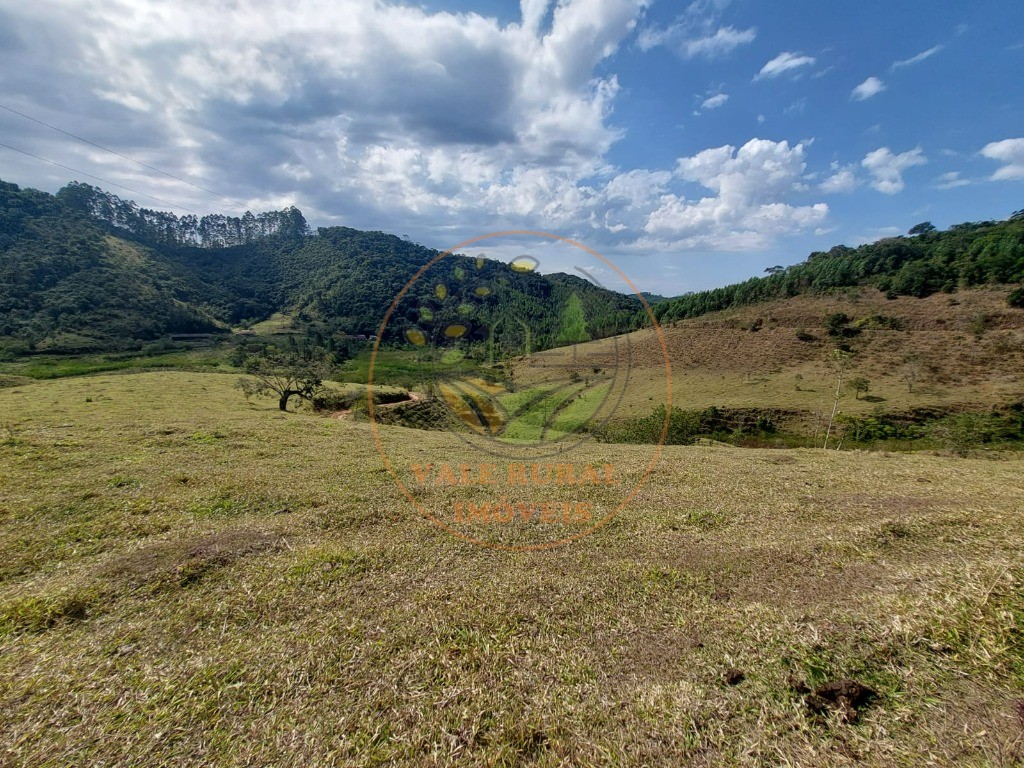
column 189, row 579
column 970, row 352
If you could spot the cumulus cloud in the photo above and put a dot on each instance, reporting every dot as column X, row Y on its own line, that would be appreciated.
column 747, row 208
column 843, row 179
column 784, row 62
column 887, row 169
column 1010, row 152
column 918, row 58
column 362, row 92
column 870, row 87
column 442, row 125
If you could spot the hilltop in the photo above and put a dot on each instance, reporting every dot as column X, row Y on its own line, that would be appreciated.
column 926, row 262
column 84, row 270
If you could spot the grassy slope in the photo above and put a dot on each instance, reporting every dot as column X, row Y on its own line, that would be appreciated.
column 717, row 360
column 156, row 610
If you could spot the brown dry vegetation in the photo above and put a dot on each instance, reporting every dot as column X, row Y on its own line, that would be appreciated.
column 190, row 579
column 966, row 348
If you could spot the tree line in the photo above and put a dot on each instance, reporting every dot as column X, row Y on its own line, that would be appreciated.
column 928, row 261
column 212, row 231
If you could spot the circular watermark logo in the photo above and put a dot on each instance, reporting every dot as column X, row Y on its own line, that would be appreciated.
column 496, row 351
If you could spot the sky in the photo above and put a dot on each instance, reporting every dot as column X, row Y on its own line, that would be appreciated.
column 691, row 145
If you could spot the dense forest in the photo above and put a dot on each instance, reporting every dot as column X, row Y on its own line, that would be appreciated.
column 85, row 270
column 923, row 263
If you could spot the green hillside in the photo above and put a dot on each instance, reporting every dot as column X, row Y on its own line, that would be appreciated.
column 928, row 261
column 84, row 270
column 64, row 282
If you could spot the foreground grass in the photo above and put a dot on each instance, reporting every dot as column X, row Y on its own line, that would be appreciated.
column 189, row 579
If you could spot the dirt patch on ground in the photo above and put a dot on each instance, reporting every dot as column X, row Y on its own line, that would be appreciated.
column 847, row 697
column 186, row 562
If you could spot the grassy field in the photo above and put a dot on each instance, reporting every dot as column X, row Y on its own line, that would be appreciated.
column 190, row 579
column 964, row 349
column 60, row 366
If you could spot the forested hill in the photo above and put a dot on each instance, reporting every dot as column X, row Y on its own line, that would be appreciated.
column 84, row 269
column 925, row 262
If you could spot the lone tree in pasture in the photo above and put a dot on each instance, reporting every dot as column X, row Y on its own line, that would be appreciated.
column 860, row 386
column 840, row 357
column 910, row 372
column 282, row 374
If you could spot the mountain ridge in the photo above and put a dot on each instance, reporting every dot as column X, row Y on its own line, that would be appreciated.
column 84, row 270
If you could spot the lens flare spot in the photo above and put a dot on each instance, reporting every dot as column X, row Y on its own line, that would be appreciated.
column 524, row 264
column 482, row 291
column 455, row 331
column 441, row 291
column 416, row 337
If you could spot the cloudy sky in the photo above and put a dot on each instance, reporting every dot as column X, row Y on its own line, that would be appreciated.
column 690, row 145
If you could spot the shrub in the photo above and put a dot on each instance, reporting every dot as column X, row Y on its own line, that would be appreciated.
column 963, row 432
column 838, row 324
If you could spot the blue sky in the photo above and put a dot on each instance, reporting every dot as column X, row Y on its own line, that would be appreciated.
column 692, row 145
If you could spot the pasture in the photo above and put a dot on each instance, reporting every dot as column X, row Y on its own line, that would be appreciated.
column 191, row 579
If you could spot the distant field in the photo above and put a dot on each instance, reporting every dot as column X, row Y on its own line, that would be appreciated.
column 275, row 324
column 194, row 580
column 950, row 349
column 60, row 366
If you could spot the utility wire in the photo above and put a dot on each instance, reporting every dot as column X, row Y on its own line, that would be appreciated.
column 119, row 154
column 105, row 181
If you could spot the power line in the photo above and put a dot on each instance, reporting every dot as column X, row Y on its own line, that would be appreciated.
column 119, row 154
column 105, row 181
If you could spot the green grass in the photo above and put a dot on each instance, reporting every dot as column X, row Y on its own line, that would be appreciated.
column 62, row 366
column 276, row 324
column 263, row 594
column 577, row 414
column 536, row 411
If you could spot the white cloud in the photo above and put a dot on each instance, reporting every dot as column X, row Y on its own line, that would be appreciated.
column 532, row 12
column 870, row 87
column 711, row 46
column 918, row 58
column 887, row 169
column 951, row 180
column 1011, row 153
column 747, row 209
column 698, row 32
column 842, row 180
column 784, row 62
column 798, row 107
column 714, row 102
column 379, row 115
column 724, row 40
column 388, row 107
